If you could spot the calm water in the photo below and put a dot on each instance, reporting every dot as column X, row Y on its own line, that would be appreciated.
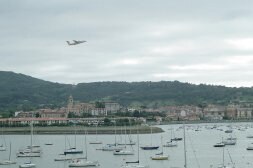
column 200, row 150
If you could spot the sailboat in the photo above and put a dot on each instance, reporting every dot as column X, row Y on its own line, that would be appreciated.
column 3, row 146
column 32, row 150
column 73, row 150
column 63, row 157
column 124, row 151
column 8, row 162
column 175, row 138
column 151, row 146
column 185, row 155
column 29, row 164
column 223, row 162
column 131, row 142
column 86, row 162
column 171, row 143
column 96, row 141
column 114, row 146
column 160, row 156
column 135, row 164
column 230, row 140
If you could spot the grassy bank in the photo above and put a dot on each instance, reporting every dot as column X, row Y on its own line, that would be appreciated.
column 81, row 130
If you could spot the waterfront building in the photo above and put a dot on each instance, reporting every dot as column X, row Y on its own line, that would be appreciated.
column 112, row 107
column 244, row 113
column 214, row 112
column 99, row 112
column 49, row 113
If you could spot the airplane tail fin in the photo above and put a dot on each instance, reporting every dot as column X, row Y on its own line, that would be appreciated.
column 68, row 42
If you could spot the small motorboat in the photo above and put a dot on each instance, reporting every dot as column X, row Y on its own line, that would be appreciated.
column 176, row 139
column 160, row 157
column 149, row 147
column 220, row 144
column 250, row 147
column 27, row 165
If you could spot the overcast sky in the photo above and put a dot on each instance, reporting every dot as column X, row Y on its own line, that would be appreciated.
column 195, row 41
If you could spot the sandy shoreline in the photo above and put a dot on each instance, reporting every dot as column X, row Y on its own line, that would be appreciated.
column 81, row 130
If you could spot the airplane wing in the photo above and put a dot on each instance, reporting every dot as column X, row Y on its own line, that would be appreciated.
column 68, row 42
column 75, row 42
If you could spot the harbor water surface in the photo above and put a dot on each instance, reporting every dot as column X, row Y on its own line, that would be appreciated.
column 200, row 139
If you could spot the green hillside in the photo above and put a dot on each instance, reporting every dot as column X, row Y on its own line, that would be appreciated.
column 22, row 92
column 18, row 91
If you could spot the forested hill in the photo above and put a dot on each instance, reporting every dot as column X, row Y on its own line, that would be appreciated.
column 18, row 91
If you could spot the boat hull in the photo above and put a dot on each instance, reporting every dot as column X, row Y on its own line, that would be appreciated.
column 123, row 152
column 30, row 165
column 160, row 158
column 7, row 162
column 73, row 152
column 149, row 147
column 84, row 164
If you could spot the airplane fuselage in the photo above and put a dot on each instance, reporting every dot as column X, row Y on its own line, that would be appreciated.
column 75, row 42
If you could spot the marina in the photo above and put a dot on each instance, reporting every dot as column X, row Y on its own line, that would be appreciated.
column 200, row 150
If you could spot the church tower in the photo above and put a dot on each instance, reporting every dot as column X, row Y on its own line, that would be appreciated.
column 70, row 104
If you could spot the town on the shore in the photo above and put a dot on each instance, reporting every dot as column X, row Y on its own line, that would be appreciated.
column 107, row 113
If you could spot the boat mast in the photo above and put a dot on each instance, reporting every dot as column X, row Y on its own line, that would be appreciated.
column 223, row 165
column 31, row 149
column 138, row 146
column 96, row 131
column 162, row 143
column 65, row 138
column 185, row 159
column 115, row 132
column 86, row 153
column 31, row 133
column 10, row 152
column 151, row 135
column 75, row 136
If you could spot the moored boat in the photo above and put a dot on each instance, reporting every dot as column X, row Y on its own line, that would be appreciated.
column 250, row 147
column 7, row 162
column 160, row 157
column 123, row 152
column 149, row 147
column 220, row 144
column 170, row 144
column 72, row 151
column 27, row 165
column 83, row 163
column 176, row 139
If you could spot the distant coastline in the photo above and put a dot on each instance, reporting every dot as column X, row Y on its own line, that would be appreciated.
column 204, row 121
column 81, row 130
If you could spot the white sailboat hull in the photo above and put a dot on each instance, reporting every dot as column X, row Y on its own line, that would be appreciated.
column 7, row 162
column 160, row 157
column 28, row 154
column 27, row 165
column 67, row 158
column 96, row 142
column 85, row 163
column 170, row 144
column 134, row 166
column 2, row 148
column 123, row 152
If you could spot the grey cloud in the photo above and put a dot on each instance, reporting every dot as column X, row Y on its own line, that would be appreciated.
column 156, row 35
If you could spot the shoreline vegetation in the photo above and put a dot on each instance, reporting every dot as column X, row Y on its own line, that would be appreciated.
column 80, row 130
column 144, row 129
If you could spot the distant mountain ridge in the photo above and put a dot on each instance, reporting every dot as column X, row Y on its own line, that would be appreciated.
column 22, row 92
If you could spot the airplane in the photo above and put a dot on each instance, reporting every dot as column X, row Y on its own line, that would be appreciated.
column 75, row 42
